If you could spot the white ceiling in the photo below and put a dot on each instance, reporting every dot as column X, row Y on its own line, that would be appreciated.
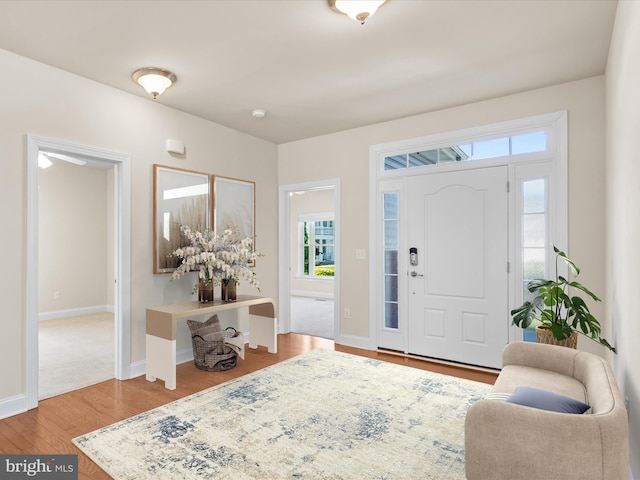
column 316, row 71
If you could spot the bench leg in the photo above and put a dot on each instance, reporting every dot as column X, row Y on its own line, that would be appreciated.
column 263, row 331
column 161, row 361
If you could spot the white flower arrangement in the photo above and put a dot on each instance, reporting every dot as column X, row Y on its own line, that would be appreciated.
column 215, row 257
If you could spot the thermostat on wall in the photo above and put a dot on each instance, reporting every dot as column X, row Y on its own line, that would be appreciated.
column 175, row 146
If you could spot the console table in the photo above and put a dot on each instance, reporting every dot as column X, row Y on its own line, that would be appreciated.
column 161, row 331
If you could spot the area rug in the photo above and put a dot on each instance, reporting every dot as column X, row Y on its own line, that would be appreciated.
column 321, row 415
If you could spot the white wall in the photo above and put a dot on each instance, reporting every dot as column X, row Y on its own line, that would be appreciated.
column 623, row 200
column 45, row 101
column 346, row 155
column 311, row 201
column 73, row 237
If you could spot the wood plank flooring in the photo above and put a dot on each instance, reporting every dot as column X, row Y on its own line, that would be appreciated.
column 50, row 428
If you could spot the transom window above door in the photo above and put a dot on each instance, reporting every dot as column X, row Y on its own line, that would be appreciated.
column 531, row 142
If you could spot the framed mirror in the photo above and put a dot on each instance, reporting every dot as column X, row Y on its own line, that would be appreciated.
column 234, row 205
column 181, row 197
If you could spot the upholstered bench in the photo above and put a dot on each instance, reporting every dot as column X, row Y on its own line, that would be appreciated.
column 505, row 439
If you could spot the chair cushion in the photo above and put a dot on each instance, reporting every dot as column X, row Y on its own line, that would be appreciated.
column 544, row 400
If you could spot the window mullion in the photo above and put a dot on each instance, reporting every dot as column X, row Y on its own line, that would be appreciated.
column 312, row 249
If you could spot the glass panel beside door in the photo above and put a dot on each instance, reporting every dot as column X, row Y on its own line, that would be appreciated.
column 390, row 273
column 534, row 239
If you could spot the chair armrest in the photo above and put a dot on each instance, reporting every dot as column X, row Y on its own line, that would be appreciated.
column 505, row 441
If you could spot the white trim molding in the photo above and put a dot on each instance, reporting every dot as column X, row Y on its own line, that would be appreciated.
column 74, row 312
column 13, row 406
column 120, row 162
column 284, row 247
column 182, row 356
column 305, row 293
column 353, row 341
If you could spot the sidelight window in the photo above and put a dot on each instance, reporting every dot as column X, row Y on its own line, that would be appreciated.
column 391, row 249
column 534, row 237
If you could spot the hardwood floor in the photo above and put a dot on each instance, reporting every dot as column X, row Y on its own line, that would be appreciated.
column 50, row 427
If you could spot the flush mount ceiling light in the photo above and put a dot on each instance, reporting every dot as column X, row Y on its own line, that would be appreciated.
column 359, row 10
column 154, row 80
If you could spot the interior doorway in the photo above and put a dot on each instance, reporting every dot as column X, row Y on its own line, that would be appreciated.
column 117, row 271
column 76, row 289
column 309, row 258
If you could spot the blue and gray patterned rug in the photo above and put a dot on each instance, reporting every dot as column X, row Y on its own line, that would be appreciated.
column 322, row 415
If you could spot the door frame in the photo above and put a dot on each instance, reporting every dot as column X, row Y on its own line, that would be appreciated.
column 284, row 248
column 122, row 254
column 555, row 159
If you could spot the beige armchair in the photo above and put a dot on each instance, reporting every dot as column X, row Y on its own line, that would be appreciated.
column 509, row 441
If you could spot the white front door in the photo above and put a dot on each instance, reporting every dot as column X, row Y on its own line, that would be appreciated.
column 458, row 291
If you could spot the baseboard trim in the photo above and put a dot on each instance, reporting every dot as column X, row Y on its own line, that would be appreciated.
column 184, row 355
column 13, row 406
column 74, row 312
column 137, row 369
column 305, row 293
column 353, row 341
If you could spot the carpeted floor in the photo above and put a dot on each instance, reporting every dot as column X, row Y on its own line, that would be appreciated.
column 321, row 415
column 75, row 352
column 312, row 316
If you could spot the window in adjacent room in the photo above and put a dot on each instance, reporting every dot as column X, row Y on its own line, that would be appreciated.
column 316, row 246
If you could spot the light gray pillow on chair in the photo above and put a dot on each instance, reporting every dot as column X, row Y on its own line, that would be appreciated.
column 544, row 400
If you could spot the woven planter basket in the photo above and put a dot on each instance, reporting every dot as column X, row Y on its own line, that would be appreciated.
column 545, row 335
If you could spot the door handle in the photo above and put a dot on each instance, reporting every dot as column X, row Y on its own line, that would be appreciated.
column 416, row 274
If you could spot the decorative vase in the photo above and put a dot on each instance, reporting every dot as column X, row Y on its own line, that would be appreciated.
column 545, row 335
column 229, row 290
column 205, row 291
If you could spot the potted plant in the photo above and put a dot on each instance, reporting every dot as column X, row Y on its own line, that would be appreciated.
column 556, row 312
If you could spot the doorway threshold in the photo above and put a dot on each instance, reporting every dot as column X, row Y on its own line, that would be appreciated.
column 439, row 361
